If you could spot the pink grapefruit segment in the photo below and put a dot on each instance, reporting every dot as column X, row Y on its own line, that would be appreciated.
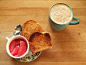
column 15, row 51
column 12, row 45
column 22, row 48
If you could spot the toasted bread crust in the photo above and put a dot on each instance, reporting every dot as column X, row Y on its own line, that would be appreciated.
column 39, row 42
column 29, row 28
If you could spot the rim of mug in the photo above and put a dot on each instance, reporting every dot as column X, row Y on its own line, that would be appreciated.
column 62, row 23
column 12, row 38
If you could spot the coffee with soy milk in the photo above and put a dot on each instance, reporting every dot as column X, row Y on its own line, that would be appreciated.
column 60, row 13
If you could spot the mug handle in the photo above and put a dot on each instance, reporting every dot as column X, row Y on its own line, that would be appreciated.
column 7, row 38
column 77, row 21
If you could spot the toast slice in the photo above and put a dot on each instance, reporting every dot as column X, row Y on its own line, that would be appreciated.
column 39, row 42
column 29, row 28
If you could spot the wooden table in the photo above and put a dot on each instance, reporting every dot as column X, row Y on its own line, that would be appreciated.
column 69, row 45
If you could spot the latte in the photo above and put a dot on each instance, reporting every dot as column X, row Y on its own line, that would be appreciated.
column 60, row 13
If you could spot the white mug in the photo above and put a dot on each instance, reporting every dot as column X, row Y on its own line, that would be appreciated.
column 13, row 38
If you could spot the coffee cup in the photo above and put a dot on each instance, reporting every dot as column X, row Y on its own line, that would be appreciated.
column 9, row 42
column 61, row 16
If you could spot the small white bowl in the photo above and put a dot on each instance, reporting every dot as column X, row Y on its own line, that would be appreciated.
column 11, row 39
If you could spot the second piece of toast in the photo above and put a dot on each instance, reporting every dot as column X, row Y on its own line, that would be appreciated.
column 39, row 42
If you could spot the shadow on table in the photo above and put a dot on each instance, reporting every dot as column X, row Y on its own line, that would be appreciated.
column 63, row 47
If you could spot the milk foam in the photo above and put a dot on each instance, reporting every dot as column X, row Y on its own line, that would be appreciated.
column 60, row 13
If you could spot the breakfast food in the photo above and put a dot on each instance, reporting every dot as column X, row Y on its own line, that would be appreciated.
column 40, row 41
column 29, row 28
column 18, row 47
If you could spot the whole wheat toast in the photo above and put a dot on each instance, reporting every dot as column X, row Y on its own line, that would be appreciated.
column 39, row 42
column 29, row 28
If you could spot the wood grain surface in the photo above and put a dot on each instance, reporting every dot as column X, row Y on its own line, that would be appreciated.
column 69, row 45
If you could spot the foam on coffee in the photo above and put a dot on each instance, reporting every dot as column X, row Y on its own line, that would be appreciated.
column 60, row 13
